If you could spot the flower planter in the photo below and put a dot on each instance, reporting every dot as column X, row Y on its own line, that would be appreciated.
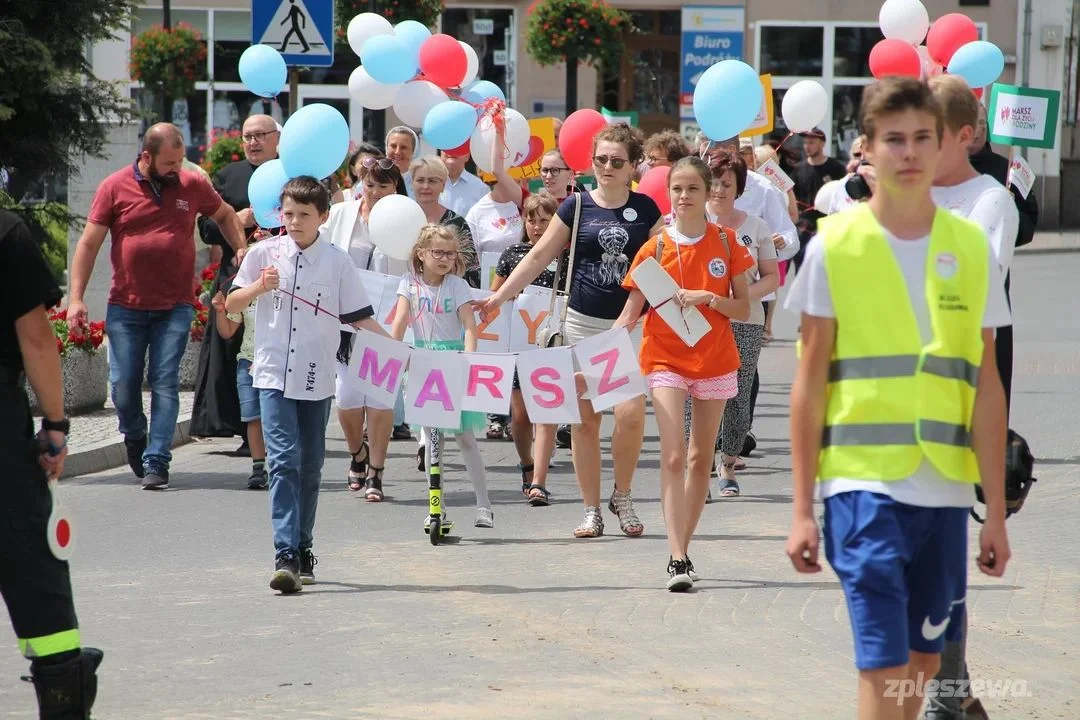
column 86, row 382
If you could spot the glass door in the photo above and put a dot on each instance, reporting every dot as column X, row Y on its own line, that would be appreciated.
column 489, row 31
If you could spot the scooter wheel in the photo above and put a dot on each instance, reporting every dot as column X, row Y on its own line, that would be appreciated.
column 435, row 530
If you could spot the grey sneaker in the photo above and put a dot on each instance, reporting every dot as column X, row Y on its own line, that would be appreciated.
column 155, row 479
column 308, row 561
column 286, row 577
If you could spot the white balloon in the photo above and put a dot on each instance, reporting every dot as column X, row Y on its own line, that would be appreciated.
column 364, row 26
column 930, row 67
column 415, row 99
column 395, row 223
column 516, row 147
column 518, row 133
column 369, row 92
column 473, row 64
column 481, row 143
column 905, row 20
column 804, row 106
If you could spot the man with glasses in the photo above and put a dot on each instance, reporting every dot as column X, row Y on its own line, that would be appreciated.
column 216, row 412
column 463, row 189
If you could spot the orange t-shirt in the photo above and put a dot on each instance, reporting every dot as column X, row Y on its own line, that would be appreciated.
column 706, row 265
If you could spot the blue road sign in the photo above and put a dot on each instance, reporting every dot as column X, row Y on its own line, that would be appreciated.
column 301, row 30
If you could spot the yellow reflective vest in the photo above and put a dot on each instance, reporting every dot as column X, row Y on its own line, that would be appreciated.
column 892, row 400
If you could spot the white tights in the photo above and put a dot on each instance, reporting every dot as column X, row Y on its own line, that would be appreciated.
column 470, row 453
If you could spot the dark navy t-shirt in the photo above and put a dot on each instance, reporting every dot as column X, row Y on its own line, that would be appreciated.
column 607, row 241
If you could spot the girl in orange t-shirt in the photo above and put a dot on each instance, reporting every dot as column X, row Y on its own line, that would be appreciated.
column 708, row 263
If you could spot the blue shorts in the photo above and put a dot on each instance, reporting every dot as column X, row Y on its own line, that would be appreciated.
column 903, row 569
column 249, row 396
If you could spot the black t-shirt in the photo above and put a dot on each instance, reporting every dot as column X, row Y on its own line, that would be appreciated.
column 513, row 255
column 607, row 241
column 810, row 178
column 231, row 182
column 25, row 283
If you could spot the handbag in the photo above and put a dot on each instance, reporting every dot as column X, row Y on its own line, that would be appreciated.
column 548, row 336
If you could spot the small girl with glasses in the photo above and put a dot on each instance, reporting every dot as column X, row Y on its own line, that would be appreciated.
column 435, row 301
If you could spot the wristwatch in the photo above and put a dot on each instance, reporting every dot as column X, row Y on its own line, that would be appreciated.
column 63, row 425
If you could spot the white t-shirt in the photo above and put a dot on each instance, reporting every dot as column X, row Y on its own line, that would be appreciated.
column 810, row 294
column 494, row 226
column 433, row 311
column 986, row 202
column 754, row 235
column 833, row 197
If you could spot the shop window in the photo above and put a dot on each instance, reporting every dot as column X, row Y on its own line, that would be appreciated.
column 792, row 50
column 845, row 125
column 233, row 107
column 146, row 18
column 852, row 54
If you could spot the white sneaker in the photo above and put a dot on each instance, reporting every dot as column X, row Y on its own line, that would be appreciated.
column 484, row 518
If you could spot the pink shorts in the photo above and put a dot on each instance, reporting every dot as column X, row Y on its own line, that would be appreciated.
column 721, row 387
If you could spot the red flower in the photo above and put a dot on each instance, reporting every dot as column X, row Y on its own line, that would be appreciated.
column 59, row 346
column 76, row 337
column 583, row 22
column 235, row 157
column 61, row 314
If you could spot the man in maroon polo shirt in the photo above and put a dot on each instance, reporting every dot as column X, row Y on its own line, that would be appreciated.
column 149, row 208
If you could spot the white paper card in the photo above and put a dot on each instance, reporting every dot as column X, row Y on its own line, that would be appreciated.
column 776, row 174
column 489, row 382
column 435, row 390
column 1021, row 176
column 377, row 366
column 659, row 287
column 611, row 370
column 547, row 385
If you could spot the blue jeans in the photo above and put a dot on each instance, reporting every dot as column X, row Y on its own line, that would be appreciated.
column 295, row 436
column 165, row 334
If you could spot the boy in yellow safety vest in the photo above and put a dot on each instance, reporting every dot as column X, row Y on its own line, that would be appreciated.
column 897, row 410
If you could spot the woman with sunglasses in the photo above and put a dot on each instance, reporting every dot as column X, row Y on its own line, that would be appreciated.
column 429, row 175
column 347, row 228
column 614, row 223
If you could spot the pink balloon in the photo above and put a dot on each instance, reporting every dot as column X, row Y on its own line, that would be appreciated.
column 654, row 183
column 895, row 57
column 948, row 34
column 443, row 61
column 576, row 138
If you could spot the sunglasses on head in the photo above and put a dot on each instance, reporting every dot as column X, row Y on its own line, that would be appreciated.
column 605, row 161
column 383, row 163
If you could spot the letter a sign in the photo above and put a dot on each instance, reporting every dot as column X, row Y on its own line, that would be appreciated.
column 301, row 30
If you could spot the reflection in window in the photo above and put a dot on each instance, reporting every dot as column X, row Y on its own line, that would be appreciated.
column 188, row 114
column 146, row 18
column 794, row 51
column 846, row 102
column 232, row 108
column 853, row 46
column 656, row 82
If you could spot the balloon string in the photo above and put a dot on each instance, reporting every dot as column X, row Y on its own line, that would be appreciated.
column 489, row 107
column 789, row 136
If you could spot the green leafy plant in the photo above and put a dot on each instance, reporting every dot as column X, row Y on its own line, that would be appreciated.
column 225, row 147
column 203, row 285
column 48, row 224
column 169, row 61
column 588, row 31
column 425, row 12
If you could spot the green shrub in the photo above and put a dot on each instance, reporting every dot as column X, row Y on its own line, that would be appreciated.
column 48, row 224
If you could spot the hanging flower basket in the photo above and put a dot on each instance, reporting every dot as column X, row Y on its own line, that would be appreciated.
column 425, row 12
column 169, row 62
column 589, row 31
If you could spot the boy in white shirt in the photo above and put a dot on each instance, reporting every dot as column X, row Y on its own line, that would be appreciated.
column 303, row 286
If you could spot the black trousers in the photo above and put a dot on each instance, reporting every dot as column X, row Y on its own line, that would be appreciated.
column 35, row 585
column 1003, row 352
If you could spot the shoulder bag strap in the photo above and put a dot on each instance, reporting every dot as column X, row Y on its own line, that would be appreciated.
column 569, row 266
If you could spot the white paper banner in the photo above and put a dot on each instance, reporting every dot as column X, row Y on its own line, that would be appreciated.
column 493, row 335
column 547, row 385
column 436, row 388
column 377, row 364
column 489, row 382
column 610, row 367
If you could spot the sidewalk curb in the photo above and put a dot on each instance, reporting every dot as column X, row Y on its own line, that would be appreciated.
column 1046, row 251
column 112, row 454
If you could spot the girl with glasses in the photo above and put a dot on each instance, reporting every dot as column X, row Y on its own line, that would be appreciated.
column 614, row 223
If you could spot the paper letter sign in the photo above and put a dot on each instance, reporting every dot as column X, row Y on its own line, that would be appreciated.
column 378, row 363
column 489, row 384
column 610, row 368
column 436, row 388
column 547, row 385
column 659, row 287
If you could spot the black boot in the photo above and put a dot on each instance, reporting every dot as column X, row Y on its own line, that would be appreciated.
column 66, row 690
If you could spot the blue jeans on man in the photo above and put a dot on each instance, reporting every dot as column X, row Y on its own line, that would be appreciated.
column 295, row 436
column 164, row 334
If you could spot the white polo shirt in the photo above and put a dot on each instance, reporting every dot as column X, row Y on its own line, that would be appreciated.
column 295, row 344
column 461, row 194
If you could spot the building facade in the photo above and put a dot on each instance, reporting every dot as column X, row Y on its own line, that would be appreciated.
column 827, row 40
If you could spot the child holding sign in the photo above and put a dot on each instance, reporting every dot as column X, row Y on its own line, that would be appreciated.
column 436, row 301
column 708, row 263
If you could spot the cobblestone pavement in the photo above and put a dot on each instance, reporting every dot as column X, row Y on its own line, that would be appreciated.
column 523, row 620
column 97, row 428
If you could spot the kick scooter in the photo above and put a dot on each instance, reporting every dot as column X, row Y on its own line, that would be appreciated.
column 437, row 526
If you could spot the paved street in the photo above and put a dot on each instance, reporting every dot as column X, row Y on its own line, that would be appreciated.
column 523, row 620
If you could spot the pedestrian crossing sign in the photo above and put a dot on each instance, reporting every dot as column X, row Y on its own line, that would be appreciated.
column 301, row 30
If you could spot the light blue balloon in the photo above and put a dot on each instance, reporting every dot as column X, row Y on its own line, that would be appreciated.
column 980, row 63
column 264, row 192
column 414, row 34
column 314, row 141
column 482, row 90
column 389, row 60
column 449, row 124
column 263, row 71
column 727, row 99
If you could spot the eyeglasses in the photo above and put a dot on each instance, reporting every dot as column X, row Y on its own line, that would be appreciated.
column 260, row 136
column 614, row 162
column 553, row 170
column 444, row 254
column 654, row 160
column 383, row 163
column 856, row 156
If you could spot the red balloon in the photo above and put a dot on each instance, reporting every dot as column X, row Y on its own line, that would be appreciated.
column 654, row 184
column 978, row 93
column 536, row 149
column 895, row 57
column 576, row 138
column 948, row 34
column 443, row 61
column 460, row 151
